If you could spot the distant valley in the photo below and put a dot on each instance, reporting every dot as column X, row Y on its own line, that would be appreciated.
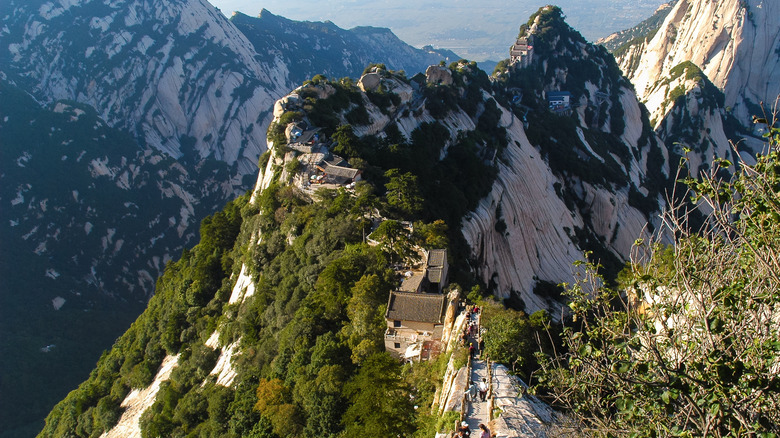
column 452, row 25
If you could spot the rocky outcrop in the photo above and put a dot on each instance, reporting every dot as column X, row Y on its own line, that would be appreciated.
column 734, row 42
column 437, row 74
column 138, row 401
column 369, row 81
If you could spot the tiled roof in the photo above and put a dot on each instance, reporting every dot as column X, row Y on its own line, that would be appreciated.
column 344, row 172
column 435, row 274
column 418, row 307
column 437, row 257
column 412, row 284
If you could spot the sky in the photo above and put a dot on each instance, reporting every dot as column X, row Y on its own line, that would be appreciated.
column 474, row 29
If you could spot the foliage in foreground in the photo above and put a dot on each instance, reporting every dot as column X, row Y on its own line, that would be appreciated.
column 690, row 346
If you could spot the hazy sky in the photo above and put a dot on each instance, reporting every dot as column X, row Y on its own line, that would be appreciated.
column 474, row 29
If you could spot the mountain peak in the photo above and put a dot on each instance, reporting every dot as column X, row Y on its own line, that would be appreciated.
column 736, row 43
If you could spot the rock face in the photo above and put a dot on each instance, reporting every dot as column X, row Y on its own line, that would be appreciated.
column 689, row 114
column 735, row 43
column 177, row 74
column 436, row 74
column 572, row 179
column 537, row 241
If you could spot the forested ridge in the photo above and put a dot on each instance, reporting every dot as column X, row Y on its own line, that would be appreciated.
column 311, row 359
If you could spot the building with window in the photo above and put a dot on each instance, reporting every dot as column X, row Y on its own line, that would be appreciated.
column 413, row 319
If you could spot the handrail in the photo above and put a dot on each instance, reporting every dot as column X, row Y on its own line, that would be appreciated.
column 490, row 395
column 468, row 379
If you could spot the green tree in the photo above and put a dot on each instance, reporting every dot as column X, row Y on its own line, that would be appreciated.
column 689, row 344
column 508, row 336
column 380, row 405
column 365, row 332
column 403, row 192
column 432, row 235
column 348, row 144
column 394, row 240
column 273, row 402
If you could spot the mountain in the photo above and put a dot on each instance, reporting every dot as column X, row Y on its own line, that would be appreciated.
column 88, row 223
column 124, row 125
column 274, row 322
column 618, row 42
column 169, row 72
column 735, row 43
column 172, row 72
column 692, row 117
column 692, row 77
column 323, row 48
column 550, row 205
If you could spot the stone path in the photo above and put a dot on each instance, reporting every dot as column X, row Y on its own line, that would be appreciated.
column 477, row 411
column 521, row 415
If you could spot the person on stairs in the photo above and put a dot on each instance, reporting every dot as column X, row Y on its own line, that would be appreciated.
column 472, row 392
column 463, row 430
column 485, row 433
column 483, row 389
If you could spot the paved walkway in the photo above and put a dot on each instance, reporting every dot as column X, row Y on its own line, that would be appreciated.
column 521, row 415
column 477, row 411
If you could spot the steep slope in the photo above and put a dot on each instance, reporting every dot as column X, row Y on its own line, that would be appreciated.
column 309, row 48
column 292, row 304
column 690, row 115
column 585, row 176
column 628, row 45
column 170, row 72
column 642, row 31
column 87, row 224
column 179, row 101
column 735, row 43
column 178, row 74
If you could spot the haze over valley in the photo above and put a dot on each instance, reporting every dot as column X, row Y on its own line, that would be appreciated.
column 477, row 30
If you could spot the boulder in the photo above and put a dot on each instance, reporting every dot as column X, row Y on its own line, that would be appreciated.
column 369, row 81
column 437, row 74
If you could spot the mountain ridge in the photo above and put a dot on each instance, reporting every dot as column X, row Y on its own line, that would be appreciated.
column 431, row 147
column 166, row 80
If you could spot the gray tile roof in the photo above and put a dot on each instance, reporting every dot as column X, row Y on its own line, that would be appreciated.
column 412, row 284
column 418, row 307
column 435, row 274
column 437, row 257
column 344, row 172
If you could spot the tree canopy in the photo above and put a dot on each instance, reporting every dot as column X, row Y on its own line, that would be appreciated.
column 689, row 345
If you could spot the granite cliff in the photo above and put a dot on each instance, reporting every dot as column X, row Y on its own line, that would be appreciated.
column 735, row 43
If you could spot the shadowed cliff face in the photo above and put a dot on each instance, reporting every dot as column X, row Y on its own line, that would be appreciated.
column 174, row 73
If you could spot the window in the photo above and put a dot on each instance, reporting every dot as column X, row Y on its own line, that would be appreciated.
column 397, row 345
column 396, row 323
